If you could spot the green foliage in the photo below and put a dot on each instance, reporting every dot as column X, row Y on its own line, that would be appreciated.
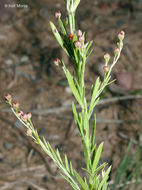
column 129, row 169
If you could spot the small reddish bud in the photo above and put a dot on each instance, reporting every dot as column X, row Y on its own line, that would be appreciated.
column 106, row 69
column 15, row 105
column 70, row 36
column 78, row 44
column 8, row 97
column 57, row 14
column 121, row 35
column 57, row 62
column 116, row 51
column 29, row 115
column 79, row 33
column 24, row 117
column 106, row 56
column 29, row 132
column 19, row 113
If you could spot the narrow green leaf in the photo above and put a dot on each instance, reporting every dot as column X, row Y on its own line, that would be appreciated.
column 97, row 158
column 81, row 181
column 71, row 169
column 89, row 53
column 67, row 163
column 59, row 157
column 72, row 86
column 111, row 82
column 88, row 45
column 105, row 178
column 62, row 27
column 94, row 94
column 75, row 113
column 92, row 106
column 93, row 133
column 76, row 3
column 57, row 36
column 67, row 179
column 100, row 167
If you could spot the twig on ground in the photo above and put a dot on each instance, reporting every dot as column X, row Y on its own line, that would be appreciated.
column 122, row 135
column 127, row 183
column 24, row 170
column 28, row 182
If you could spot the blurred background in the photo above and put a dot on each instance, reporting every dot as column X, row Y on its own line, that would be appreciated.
column 27, row 72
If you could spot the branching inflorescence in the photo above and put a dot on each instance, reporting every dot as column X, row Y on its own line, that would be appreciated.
column 74, row 44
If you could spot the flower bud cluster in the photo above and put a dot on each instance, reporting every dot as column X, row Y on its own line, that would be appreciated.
column 15, row 106
column 25, row 116
column 121, row 36
column 106, row 58
column 80, row 42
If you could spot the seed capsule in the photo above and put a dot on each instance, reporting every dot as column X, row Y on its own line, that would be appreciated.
column 106, row 57
column 121, row 35
column 106, row 69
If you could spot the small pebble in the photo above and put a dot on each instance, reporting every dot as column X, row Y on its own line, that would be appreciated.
column 44, row 13
column 8, row 145
column 124, row 80
column 24, row 58
column 68, row 90
column 17, row 124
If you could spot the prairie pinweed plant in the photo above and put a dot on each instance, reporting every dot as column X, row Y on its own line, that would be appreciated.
column 75, row 46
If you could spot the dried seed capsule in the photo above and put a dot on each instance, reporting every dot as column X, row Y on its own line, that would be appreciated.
column 121, row 35
column 57, row 14
column 107, row 57
column 106, row 69
column 70, row 36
